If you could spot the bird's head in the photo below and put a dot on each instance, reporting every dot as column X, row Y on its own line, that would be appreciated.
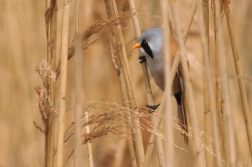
column 150, row 42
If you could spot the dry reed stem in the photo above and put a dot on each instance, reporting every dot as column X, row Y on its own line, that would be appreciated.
column 93, row 29
column 205, row 14
column 112, row 11
column 219, row 97
column 172, row 75
column 168, row 107
column 209, row 87
column 63, row 83
column 147, row 82
column 245, row 106
column 78, row 98
column 46, row 107
column 225, row 85
column 51, row 32
column 188, row 90
column 124, row 97
column 89, row 147
column 189, row 20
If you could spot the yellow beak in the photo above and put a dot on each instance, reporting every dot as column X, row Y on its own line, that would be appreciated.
column 137, row 45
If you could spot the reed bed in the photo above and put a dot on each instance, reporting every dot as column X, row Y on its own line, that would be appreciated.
column 91, row 91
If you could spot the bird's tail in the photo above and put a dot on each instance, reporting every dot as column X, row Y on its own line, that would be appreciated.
column 182, row 116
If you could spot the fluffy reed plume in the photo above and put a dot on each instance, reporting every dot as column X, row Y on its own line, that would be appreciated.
column 44, row 103
column 107, row 119
column 94, row 29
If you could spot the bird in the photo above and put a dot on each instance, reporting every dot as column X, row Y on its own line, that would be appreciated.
column 150, row 43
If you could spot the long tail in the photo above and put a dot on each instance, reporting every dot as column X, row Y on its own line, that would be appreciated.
column 182, row 115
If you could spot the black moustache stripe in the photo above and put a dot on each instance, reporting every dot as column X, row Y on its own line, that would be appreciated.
column 146, row 48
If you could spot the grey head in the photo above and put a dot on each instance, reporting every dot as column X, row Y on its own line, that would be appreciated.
column 151, row 42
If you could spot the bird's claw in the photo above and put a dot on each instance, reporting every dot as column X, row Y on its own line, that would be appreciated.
column 142, row 59
column 152, row 107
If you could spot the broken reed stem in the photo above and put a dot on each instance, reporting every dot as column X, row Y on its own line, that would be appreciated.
column 63, row 82
column 211, row 103
column 174, row 68
column 117, row 30
column 124, row 97
column 78, row 92
column 207, row 114
column 225, row 86
column 218, row 89
column 89, row 147
column 147, row 84
column 245, row 106
column 168, row 107
column 51, row 30
column 188, row 90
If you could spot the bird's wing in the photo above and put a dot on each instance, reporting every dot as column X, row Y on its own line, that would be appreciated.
column 182, row 109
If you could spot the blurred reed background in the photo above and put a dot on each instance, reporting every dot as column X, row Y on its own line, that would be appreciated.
column 23, row 45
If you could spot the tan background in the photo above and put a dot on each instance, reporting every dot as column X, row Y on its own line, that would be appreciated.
column 23, row 45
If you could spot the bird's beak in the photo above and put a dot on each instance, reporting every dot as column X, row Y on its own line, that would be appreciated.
column 137, row 45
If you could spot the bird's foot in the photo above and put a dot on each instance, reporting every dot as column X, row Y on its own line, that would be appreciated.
column 142, row 59
column 152, row 107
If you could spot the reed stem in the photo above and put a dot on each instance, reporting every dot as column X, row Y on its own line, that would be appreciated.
column 225, row 84
column 117, row 30
column 188, row 90
column 245, row 106
column 63, row 82
column 78, row 88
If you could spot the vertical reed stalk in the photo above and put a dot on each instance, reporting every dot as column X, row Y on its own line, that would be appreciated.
column 117, row 30
column 78, row 99
column 206, row 60
column 172, row 75
column 168, row 107
column 219, row 97
column 147, row 84
column 225, row 85
column 209, row 87
column 89, row 147
column 188, row 90
column 189, row 20
column 245, row 106
column 63, row 82
column 51, row 30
